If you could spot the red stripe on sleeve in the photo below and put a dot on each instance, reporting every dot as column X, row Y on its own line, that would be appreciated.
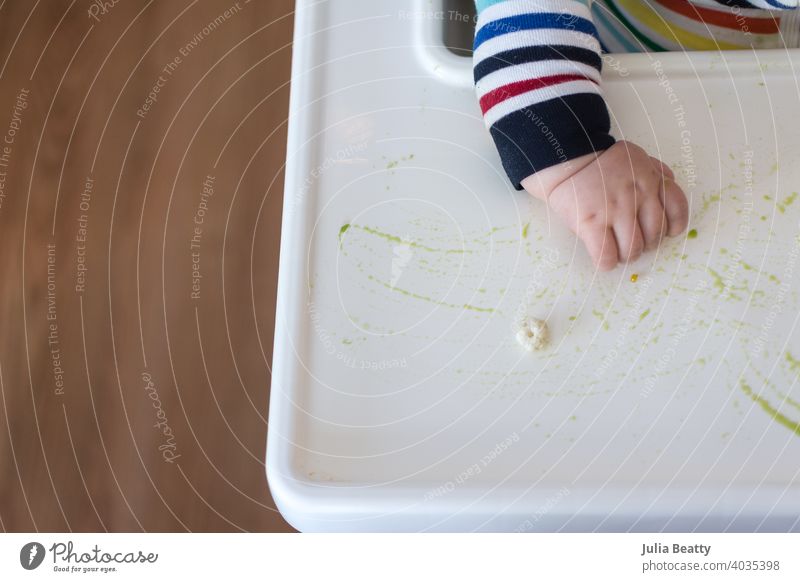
column 513, row 89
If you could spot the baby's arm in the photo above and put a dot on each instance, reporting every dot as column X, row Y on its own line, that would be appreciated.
column 537, row 74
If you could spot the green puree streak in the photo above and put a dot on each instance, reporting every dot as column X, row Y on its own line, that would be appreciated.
column 466, row 306
column 397, row 239
column 342, row 231
column 771, row 410
column 794, row 366
column 794, row 363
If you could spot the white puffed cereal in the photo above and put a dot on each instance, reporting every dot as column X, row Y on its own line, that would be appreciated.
column 532, row 334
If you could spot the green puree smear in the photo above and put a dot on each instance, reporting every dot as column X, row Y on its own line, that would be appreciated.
column 771, row 410
column 407, row 293
column 788, row 201
column 692, row 233
column 342, row 231
column 794, row 363
column 394, row 163
column 396, row 239
column 719, row 282
column 794, row 366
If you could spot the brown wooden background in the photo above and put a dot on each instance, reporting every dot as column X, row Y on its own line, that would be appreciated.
column 93, row 457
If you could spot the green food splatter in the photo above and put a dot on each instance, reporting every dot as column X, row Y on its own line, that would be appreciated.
column 599, row 315
column 786, row 202
column 785, row 398
column 794, row 366
column 692, row 233
column 644, row 314
column 396, row 239
column 408, row 293
column 794, row 363
column 394, row 163
column 343, row 230
column 707, row 202
column 719, row 283
column 771, row 410
column 525, row 230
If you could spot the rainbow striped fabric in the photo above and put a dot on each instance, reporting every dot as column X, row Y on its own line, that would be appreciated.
column 660, row 25
column 537, row 62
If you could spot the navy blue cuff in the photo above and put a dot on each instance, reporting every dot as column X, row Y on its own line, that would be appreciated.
column 550, row 133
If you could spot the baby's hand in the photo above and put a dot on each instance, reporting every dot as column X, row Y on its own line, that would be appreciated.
column 619, row 203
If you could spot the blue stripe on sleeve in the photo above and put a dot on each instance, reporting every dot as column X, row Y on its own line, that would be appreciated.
column 537, row 21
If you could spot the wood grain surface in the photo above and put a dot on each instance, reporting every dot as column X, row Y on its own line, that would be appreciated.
column 141, row 152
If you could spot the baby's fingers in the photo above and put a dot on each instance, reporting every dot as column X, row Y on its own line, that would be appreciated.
column 676, row 207
column 601, row 244
column 653, row 222
column 630, row 241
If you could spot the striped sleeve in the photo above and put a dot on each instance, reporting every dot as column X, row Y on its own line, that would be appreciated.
column 537, row 75
column 762, row 4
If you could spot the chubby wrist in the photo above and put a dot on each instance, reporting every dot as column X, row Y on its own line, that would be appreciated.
column 542, row 183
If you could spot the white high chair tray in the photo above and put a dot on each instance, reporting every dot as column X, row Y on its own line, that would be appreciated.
column 400, row 398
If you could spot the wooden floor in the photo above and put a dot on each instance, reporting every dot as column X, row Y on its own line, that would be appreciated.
column 141, row 156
